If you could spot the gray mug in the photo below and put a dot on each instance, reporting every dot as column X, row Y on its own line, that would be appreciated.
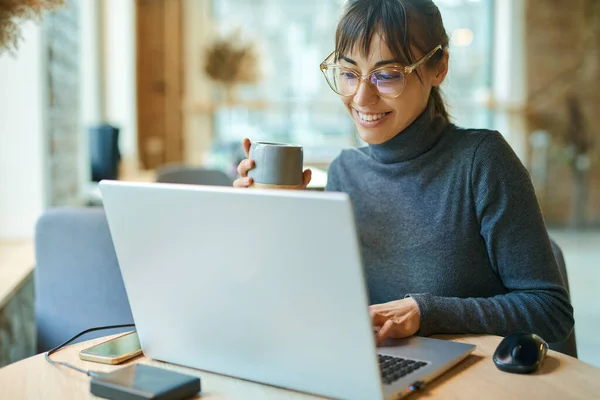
column 276, row 164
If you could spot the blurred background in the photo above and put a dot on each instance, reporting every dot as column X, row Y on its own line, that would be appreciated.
column 126, row 88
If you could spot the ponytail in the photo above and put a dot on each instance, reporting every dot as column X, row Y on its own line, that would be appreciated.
column 436, row 107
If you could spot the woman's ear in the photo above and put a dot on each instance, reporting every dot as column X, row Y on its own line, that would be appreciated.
column 441, row 69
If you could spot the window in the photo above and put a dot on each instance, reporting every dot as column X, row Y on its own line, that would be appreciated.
column 299, row 107
column 470, row 25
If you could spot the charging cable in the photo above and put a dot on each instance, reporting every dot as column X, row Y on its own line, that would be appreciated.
column 57, row 348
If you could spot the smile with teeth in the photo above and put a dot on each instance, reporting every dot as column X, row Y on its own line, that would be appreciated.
column 371, row 117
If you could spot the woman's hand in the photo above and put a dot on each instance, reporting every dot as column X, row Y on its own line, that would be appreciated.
column 247, row 164
column 244, row 166
column 396, row 319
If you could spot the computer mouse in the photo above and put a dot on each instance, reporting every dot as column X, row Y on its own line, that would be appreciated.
column 520, row 353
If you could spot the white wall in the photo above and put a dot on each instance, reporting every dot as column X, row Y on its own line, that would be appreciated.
column 120, row 79
column 91, row 84
column 107, row 92
column 23, row 173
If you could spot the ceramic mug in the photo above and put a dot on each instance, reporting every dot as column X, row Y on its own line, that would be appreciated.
column 277, row 165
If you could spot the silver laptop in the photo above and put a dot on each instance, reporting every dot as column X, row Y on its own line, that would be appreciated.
column 262, row 285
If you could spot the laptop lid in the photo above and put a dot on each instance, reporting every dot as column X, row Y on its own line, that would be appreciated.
column 262, row 285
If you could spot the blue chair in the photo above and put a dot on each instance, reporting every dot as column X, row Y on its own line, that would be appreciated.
column 78, row 284
column 569, row 345
column 175, row 173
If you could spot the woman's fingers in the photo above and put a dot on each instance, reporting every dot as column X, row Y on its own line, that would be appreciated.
column 387, row 324
column 244, row 166
column 385, row 331
column 246, row 146
column 243, row 182
column 306, row 176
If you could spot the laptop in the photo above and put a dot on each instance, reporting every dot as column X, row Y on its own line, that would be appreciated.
column 262, row 285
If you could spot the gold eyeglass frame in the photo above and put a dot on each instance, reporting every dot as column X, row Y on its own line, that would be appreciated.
column 326, row 64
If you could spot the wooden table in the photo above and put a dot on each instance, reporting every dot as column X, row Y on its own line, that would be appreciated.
column 561, row 377
column 17, row 260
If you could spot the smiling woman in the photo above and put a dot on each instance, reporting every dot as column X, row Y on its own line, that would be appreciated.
column 395, row 35
column 388, row 80
column 452, row 237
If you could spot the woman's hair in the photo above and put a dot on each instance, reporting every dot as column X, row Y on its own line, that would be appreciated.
column 402, row 24
column 13, row 12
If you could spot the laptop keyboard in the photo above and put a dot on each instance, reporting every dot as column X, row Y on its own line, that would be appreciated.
column 394, row 368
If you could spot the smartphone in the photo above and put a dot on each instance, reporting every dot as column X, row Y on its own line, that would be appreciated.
column 114, row 351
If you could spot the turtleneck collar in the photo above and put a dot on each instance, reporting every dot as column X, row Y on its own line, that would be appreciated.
column 419, row 137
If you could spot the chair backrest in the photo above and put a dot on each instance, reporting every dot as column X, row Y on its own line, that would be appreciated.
column 193, row 176
column 78, row 283
column 569, row 345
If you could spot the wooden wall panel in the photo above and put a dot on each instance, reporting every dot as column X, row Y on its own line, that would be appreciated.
column 159, row 75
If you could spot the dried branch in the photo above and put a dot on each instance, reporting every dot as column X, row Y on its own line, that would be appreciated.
column 230, row 61
column 14, row 12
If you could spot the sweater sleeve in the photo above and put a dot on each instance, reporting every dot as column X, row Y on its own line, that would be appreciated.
column 520, row 253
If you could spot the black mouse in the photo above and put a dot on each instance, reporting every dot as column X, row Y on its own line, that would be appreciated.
column 520, row 353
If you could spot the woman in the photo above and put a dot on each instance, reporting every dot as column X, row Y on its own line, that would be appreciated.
column 451, row 232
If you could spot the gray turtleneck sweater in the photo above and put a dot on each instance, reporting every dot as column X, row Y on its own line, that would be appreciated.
column 449, row 217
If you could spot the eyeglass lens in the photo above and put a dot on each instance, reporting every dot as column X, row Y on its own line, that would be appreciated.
column 386, row 81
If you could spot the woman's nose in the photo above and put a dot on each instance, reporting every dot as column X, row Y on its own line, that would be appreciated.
column 365, row 95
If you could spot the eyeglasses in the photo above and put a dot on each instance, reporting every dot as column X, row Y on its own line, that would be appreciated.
column 387, row 81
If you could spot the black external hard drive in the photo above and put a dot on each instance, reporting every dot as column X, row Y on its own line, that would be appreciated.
column 140, row 381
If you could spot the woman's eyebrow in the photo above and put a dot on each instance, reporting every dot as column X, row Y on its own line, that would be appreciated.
column 349, row 60
column 377, row 64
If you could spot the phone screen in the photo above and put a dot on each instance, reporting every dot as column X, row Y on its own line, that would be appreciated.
column 117, row 347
